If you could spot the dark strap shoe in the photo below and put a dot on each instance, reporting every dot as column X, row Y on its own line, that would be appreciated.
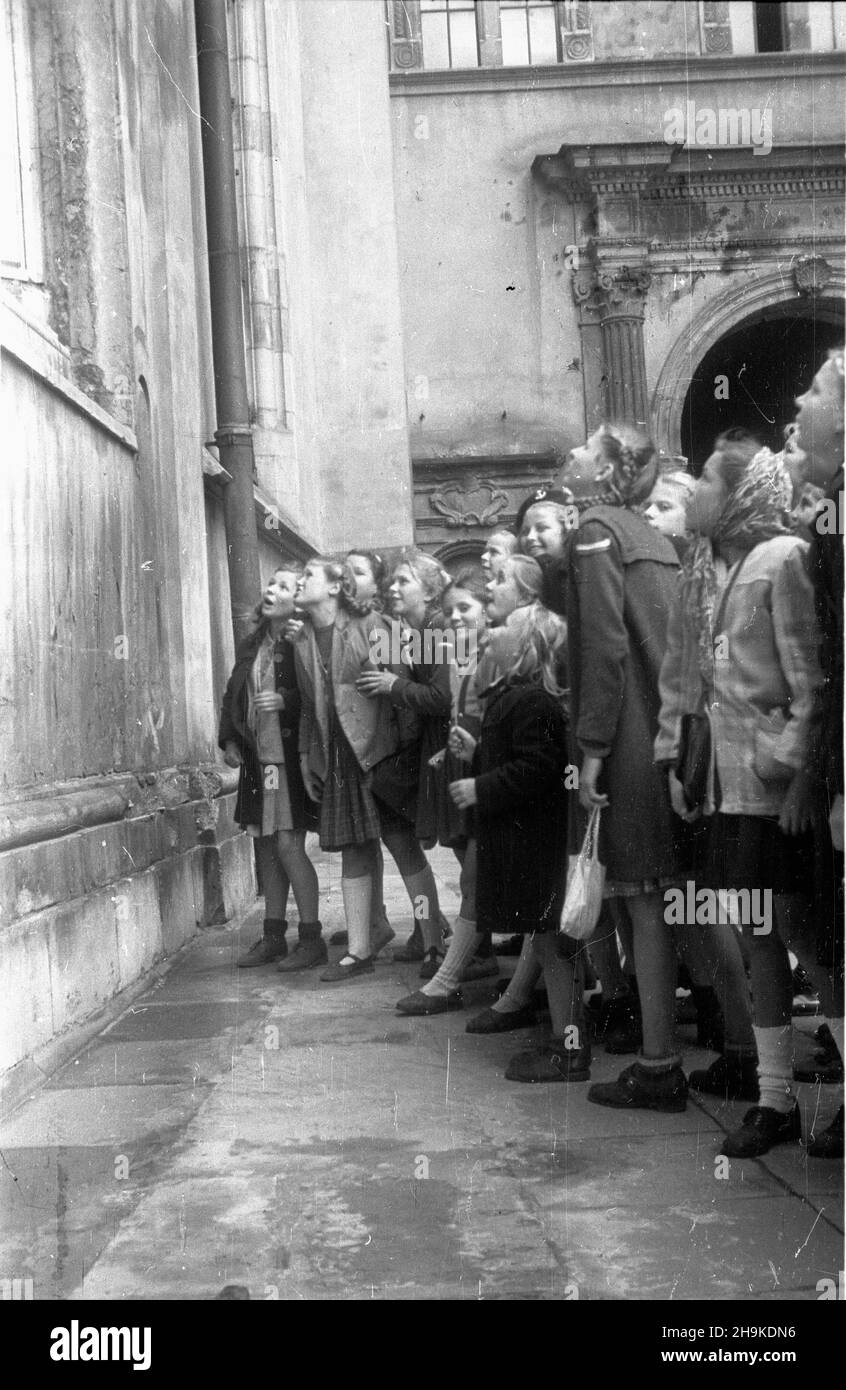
column 413, row 948
column 554, row 1061
column 420, row 1005
column 495, row 1021
column 762, row 1128
column 734, row 1077
column 348, row 970
column 641, row 1088
column 432, row 962
column 829, row 1144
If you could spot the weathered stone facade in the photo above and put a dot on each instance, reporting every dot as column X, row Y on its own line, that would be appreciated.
column 116, row 833
column 468, row 266
column 571, row 252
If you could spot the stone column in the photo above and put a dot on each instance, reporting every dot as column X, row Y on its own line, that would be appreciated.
column 616, row 299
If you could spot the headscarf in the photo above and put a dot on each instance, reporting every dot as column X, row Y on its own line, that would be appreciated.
column 755, row 511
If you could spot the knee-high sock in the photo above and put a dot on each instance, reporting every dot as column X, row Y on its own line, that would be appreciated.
column 357, row 894
column 465, row 939
column 523, row 981
column 775, row 1067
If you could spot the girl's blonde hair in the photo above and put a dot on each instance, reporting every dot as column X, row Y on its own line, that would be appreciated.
column 430, row 575
column 528, row 576
column 531, row 644
column 561, row 514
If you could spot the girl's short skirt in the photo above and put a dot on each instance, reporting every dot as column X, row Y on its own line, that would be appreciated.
column 276, row 813
column 752, row 852
column 348, row 812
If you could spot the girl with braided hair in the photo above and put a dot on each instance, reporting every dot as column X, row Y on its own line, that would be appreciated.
column 622, row 580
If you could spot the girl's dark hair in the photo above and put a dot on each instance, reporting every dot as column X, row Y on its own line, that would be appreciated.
column 635, row 461
column 469, row 579
column 737, row 447
column 380, row 574
column 258, row 621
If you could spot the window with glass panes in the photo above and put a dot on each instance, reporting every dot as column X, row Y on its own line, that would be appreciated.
column 529, row 33
column 440, row 34
column 449, row 34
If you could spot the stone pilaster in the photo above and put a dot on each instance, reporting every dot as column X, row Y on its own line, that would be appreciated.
column 614, row 298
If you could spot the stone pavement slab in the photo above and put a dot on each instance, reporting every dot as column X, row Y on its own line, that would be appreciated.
column 307, row 1141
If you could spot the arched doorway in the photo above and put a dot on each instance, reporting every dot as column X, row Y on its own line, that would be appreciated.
column 461, row 555
column 751, row 376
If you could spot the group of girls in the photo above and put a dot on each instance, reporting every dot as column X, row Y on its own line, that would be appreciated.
column 625, row 601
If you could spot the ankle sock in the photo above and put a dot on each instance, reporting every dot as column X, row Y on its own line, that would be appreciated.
column 274, row 927
column 523, row 981
column 309, row 931
column 659, row 1066
column 775, row 1067
column 465, row 939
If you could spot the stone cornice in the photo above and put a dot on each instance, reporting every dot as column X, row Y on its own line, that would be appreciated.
column 657, row 172
column 688, row 72
column 31, row 815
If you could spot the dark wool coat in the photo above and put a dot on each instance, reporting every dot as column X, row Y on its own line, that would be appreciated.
column 421, row 699
column 234, row 728
column 521, row 811
column 623, row 576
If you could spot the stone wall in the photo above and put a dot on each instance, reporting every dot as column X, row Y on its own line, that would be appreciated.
column 496, row 361
column 116, row 838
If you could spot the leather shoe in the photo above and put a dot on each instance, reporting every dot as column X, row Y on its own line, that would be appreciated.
column 263, row 952
column 734, row 1077
column 554, row 1061
column 421, row 1005
column 413, row 948
column 305, row 956
column 829, row 1144
column 495, row 1021
column 355, row 966
column 432, row 962
column 762, row 1128
column 641, row 1088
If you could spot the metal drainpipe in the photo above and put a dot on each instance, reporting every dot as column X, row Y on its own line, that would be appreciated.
column 234, row 436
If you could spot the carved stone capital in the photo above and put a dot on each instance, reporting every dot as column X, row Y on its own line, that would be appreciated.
column 622, row 292
column 603, row 293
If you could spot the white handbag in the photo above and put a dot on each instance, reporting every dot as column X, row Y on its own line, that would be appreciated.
column 585, row 884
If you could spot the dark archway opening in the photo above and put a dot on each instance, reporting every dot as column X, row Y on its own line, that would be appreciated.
column 766, row 363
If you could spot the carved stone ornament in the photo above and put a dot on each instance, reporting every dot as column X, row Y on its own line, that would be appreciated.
column 612, row 294
column 477, row 502
column 623, row 292
column 811, row 274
